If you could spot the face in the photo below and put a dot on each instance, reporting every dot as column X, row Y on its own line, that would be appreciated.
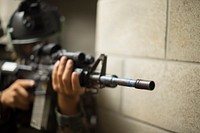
column 25, row 50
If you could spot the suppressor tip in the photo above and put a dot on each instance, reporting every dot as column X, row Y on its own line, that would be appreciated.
column 145, row 84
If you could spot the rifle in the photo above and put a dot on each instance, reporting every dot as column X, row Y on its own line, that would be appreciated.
column 40, row 65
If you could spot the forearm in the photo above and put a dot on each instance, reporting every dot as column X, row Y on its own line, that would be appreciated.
column 76, row 127
column 69, row 114
column 70, row 123
column 67, row 130
column 68, row 105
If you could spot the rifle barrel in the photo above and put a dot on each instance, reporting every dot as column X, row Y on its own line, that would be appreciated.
column 138, row 83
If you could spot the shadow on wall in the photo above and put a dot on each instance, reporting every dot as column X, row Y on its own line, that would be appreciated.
column 78, row 33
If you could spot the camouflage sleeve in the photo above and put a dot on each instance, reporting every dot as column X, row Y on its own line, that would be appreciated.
column 83, row 122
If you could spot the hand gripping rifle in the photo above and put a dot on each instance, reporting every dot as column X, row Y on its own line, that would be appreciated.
column 39, row 67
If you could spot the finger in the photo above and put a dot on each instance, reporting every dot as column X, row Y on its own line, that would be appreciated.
column 76, row 84
column 8, row 98
column 31, row 97
column 25, row 83
column 54, row 76
column 22, row 92
column 22, row 103
column 60, row 71
column 67, row 76
column 21, row 98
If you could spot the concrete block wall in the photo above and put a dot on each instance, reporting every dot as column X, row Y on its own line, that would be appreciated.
column 157, row 40
column 7, row 7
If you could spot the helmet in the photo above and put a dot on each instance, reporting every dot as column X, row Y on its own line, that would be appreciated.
column 33, row 22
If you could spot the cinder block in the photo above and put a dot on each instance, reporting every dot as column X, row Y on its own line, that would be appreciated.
column 174, row 104
column 184, row 30
column 132, row 27
column 111, row 122
column 110, row 98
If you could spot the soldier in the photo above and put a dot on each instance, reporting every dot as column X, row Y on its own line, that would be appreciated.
column 32, row 23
